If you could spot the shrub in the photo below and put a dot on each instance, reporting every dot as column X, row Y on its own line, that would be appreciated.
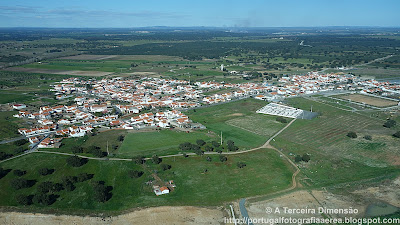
column 389, row 123
column 165, row 167
column 352, row 134
column 223, row 158
column 138, row 159
column 368, row 137
column 397, row 134
column 200, row 142
column 156, row 160
column 281, row 119
column 241, row 164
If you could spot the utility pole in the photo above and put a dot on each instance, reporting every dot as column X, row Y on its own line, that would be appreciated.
column 108, row 153
column 221, row 137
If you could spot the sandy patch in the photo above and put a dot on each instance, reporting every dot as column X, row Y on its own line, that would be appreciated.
column 152, row 216
column 89, row 57
column 236, row 114
column 374, row 101
column 60, row 72
column 389, row 193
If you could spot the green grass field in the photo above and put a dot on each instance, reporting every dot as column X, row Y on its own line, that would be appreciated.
column 10, row 98
column 335, row 158
column 100, row 140
column 160, row 143
column 9, row 125
column 234, row 119
column 265, row 172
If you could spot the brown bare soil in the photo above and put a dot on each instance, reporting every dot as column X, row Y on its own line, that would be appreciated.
column 378, row 102
column 152, row 216
column 124, row 57
column 236, row 114
column 61, row 72
column 90, row 57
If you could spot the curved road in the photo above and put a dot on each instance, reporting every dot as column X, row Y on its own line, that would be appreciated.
column 265, row 145
column 242, row 201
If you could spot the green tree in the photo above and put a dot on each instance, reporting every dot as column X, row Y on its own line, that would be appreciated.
column 19, row 183
column 139, row 159
column 101, row 192
column 156, row 160
column 23, row 199
column 84, row 177
column 209, row 148
column 69, row 186
column 165, row 167
column 135, row 173
column 200, row 142
column 397, row 134
column 306, row 157
column 45, row 187
column 44, row 199
column 121, row 138
column 19, row 173
column 298, row 158
column 45, row 171
column 77, row 149
column 98, row 153
column 215, row 144
column 75, row 161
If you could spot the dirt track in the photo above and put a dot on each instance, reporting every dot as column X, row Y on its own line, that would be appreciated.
column 152, row 216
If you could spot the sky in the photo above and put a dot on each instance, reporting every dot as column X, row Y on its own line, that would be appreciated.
column 214, row 13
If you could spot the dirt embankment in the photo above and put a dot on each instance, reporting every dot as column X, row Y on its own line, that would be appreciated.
column 181, row 215
column 388, row 192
